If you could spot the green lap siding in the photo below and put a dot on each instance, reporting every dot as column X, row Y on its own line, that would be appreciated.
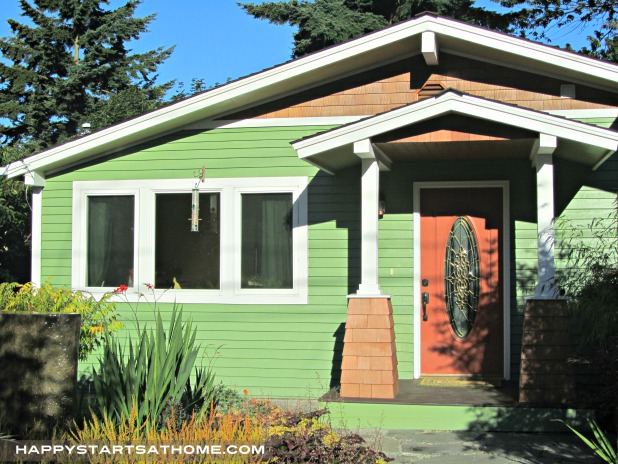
column 271, row 350
column 295, row 350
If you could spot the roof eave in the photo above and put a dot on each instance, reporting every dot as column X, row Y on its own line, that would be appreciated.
column 377, row 47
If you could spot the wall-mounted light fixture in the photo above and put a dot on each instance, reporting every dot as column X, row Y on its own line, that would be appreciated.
column 381, row 206
column 195, row 200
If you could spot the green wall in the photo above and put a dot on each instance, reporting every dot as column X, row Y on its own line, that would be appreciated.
column 295, row 350
column 278, row 350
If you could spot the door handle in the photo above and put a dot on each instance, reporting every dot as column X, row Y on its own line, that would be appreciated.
column 425, row 303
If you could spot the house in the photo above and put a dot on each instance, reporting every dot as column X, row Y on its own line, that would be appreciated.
column 403, row 183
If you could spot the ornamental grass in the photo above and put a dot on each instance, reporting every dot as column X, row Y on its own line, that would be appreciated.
column 232, row 428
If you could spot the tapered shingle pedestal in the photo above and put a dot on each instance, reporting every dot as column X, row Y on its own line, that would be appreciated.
column 369, row 366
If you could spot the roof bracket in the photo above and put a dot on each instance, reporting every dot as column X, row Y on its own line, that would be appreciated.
column 543, row 149
column 429, row 48
column 34, row 179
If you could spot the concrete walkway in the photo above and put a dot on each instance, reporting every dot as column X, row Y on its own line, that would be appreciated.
column 437, row 447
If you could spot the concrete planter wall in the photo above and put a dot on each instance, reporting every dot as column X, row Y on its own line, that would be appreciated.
column 38, row 368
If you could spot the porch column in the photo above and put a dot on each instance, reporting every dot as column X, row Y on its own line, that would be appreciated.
column 370, row 191
column 369, row 358
column 541, row 155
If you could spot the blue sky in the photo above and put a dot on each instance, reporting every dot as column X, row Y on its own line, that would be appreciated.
column 215, row 40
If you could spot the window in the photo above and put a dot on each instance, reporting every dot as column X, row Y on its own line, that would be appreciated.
column 267, row 240
column 186, row 259
column 251, row 247
column 110, row 240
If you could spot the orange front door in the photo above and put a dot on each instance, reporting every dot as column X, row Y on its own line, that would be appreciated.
column 461, row 282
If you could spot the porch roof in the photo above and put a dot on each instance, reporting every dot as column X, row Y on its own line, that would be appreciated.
column 333, row 149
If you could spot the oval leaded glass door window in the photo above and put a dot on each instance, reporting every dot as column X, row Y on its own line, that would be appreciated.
column 461, row 277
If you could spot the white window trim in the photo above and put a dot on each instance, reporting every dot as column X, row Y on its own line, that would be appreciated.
column 230, row 221
column 79, row 262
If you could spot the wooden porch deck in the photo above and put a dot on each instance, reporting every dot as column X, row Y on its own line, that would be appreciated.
column 411, row 392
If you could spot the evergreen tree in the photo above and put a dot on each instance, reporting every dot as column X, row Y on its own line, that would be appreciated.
column 69, row 64
column 14, row 224
column 322, row 23
column 538, row 18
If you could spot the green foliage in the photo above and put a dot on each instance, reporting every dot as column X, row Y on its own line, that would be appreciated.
column 154, row 374
column 303, row 437
column 539, row 18
column 602, row 447
column 227, row 398
column 14, row 222
column 590, row 276
column 125, row 104
column 98, row 317
column 322, row 23
column 71, row 65
column 590, row 280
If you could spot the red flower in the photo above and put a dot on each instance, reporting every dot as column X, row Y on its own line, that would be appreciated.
column 123, row 288
column 246, row 392
column 149, row 286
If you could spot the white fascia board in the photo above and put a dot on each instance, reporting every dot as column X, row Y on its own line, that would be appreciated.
column 541, row 53
column 537, row 122
column 465, row 105
column 275, row 122
column 585, row 113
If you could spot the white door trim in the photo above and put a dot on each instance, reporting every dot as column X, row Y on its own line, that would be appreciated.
column 504, row 185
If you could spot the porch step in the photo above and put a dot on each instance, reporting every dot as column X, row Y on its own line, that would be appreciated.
column 367, row 415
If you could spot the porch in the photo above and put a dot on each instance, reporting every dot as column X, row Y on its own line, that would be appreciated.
column 467, row 172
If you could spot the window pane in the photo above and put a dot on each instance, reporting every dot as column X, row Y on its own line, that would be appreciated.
column 267, row 240
column 185, row 259
column 110, row 240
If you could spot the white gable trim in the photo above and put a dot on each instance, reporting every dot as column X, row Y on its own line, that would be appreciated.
column 516, row 46
column 452, row 102
column 274, row 122
column 586, row 114
column 382, row 45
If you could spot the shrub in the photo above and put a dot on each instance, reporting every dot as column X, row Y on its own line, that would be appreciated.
column 98, row 317
column 227, row 398
column 302, row 437
column 590, row 280
column 153, row 375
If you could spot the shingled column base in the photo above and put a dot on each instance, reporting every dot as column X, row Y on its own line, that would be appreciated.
column 546, row 376
column 369, row 365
